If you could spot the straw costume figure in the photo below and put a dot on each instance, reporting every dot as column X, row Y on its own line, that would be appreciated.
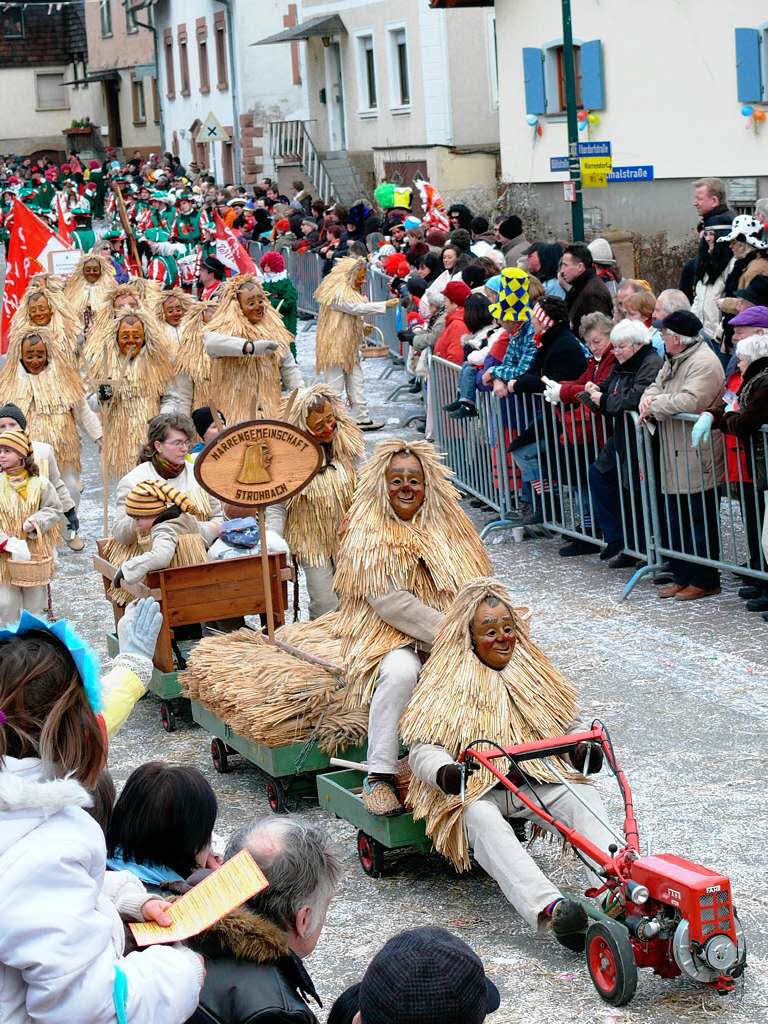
column 29, row 516
column 40, row 379
column 191, row 387
column 89, row 286
column 44, row 305
column 250, row 353
column 120, row 299
column 170, row 308
column 340, row 332
column 167, row 535
column 130, row 365
column 310, row 521
column 407, row 551
column 485, row 679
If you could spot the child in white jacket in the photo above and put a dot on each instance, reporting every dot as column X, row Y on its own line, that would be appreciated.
column 57, row 961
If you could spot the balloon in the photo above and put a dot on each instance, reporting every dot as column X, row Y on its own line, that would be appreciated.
column 582, row 115
column 759, row 115
column 532, row 120
column 594, row 119
column 582, row 125
column 746, row 110
column 538, row 130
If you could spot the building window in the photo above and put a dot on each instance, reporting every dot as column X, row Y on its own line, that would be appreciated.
column 366, row 67
column 751, row 64
column 130, row 20
column 137, row 101
column 202, row 54
column 105, row 15
column 398, row 68
column 183, row 60
column 13, row 23
column 50, row 93
column 556, row 56
column 220, row 28
column 170, row 81
column 544, row 77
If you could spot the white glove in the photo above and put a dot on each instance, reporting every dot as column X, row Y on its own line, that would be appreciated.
column 139, row 628
column 275, row 544
column 551, row 390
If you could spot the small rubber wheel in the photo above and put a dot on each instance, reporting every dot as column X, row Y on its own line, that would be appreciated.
column 167, row 717
column 371, row 855
column 219, row 756
column 611, row 962
column 276, row 797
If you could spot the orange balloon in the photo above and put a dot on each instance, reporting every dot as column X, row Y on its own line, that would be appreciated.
column 759, row 115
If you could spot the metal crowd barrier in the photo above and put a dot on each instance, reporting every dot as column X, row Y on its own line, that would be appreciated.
column 305, row 271
column 378, row 291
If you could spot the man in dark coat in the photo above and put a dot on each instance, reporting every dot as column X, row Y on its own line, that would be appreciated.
column 586, row 292
column 253, row 956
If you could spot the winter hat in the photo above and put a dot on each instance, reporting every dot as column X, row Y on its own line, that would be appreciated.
column 747, row 228
column 457, row 291
column 203, row 419
column 754, row 316
column 17, row 440
column 416, row 285
column 682, row 322
column 283, row 225
column 756, row 291
column 9, row 411
column 396, row 265
column 494, row 284
column 151, row 497
column 237, row 201
column 215, row 266
column 514, row 302
column 601, row 251
column 511, row 227
column 272, row 262
column 473, row 276
column 436, row 238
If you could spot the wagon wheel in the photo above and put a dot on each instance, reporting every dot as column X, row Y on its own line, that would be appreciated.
column 167, row 716
column 276, row 796
column 611, row 962
column 371, row 855
column 219, row 756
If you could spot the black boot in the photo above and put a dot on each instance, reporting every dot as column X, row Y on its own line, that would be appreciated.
column 569, row 925
column 611, row 549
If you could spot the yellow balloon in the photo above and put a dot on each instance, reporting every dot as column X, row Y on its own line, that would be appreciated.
column 594, row 119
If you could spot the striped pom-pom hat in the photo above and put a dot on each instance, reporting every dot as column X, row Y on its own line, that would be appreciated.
column 151, row 497
column 17, row 440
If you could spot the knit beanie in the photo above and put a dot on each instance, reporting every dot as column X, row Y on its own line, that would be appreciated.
column 511, row 227
column 203, row 419
column 457, row 292
column 436, row 238
column 9, row 411
column 283, row 225
column 151, row 497
column 272, row 262
column 17, row 440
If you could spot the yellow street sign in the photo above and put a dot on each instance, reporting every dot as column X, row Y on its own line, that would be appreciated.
column 601, row 164
column 594, row 179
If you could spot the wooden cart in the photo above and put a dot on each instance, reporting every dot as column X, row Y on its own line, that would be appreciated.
column 196, row 594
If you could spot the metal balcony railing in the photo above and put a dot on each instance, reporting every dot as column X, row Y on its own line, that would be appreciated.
column 289, row 140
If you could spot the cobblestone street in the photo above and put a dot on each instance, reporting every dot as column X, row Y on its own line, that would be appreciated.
column 684, row 691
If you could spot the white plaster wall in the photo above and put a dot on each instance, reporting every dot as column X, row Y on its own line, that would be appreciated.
column 670, row 83
column 19, row 116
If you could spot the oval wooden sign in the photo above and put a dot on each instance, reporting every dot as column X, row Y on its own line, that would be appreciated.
column 259, row 462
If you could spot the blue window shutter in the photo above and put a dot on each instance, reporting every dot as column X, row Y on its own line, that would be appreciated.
column 533, row 75
column 748, row 76
column 592, row 84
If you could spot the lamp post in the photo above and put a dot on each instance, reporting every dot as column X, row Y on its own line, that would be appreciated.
column 574, row 167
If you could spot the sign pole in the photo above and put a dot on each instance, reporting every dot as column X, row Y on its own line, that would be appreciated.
column 574, row 166
column 265, row 575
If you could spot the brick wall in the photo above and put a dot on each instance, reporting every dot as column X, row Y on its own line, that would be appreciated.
column 252, row 149
column 50, row 39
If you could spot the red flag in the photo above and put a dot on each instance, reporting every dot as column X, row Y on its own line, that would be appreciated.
column 229, row 250
column 30, row 243
column 65, row 220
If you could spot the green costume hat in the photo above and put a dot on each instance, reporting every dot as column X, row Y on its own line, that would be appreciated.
column 514, row 301
column 156, row 235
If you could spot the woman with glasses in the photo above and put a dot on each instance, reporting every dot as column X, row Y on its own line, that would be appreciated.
column 164, row 457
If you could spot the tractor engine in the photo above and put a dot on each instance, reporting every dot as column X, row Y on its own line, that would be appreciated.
column 708, row 941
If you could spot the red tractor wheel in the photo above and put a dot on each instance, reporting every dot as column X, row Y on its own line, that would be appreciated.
column 611, row 962
column 276, row 797
column 370, row 852
column 167, row 717
column 219, row 756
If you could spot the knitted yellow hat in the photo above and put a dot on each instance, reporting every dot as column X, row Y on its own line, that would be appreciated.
column 17, row 440
column 151, row 497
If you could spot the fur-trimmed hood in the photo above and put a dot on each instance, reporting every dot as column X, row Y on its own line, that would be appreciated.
column 29, row 795
column 245, row 935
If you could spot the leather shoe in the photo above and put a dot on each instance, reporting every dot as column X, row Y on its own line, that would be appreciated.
column 672, row 590
column 611, row 549
column 622, row 561
column 757, row 604
column 691, row 593
column 579, row 547
column 750, row 592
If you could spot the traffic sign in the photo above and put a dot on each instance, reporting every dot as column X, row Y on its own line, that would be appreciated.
column 593, row 178
column 631, row 175
column 212, row 130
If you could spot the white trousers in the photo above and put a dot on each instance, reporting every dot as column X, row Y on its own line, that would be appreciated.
column 398, row 673
column 322, row 598
column 13, row 600
column 499, row 852
column 72, row 483
column 353, row 384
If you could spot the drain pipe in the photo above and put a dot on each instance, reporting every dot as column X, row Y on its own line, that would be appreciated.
column 134, row 8
column 235, row 98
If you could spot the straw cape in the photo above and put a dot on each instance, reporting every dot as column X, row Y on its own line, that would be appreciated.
column 270, row 697
column 190, row 550
column 433, row 556
column 106, row 312
column 247, row 387
column 191, row 358
column 137, row 386
column 339, row 334
column 459, row 700
column 15, row 508
column 315, row 514
column 82, row 295
column 64, row 322
column 48, row 399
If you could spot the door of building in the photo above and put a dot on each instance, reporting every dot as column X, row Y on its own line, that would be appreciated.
column 112, row 104
column 336, row 118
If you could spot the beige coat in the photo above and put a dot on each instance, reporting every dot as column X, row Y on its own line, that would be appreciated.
column 691, row 382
